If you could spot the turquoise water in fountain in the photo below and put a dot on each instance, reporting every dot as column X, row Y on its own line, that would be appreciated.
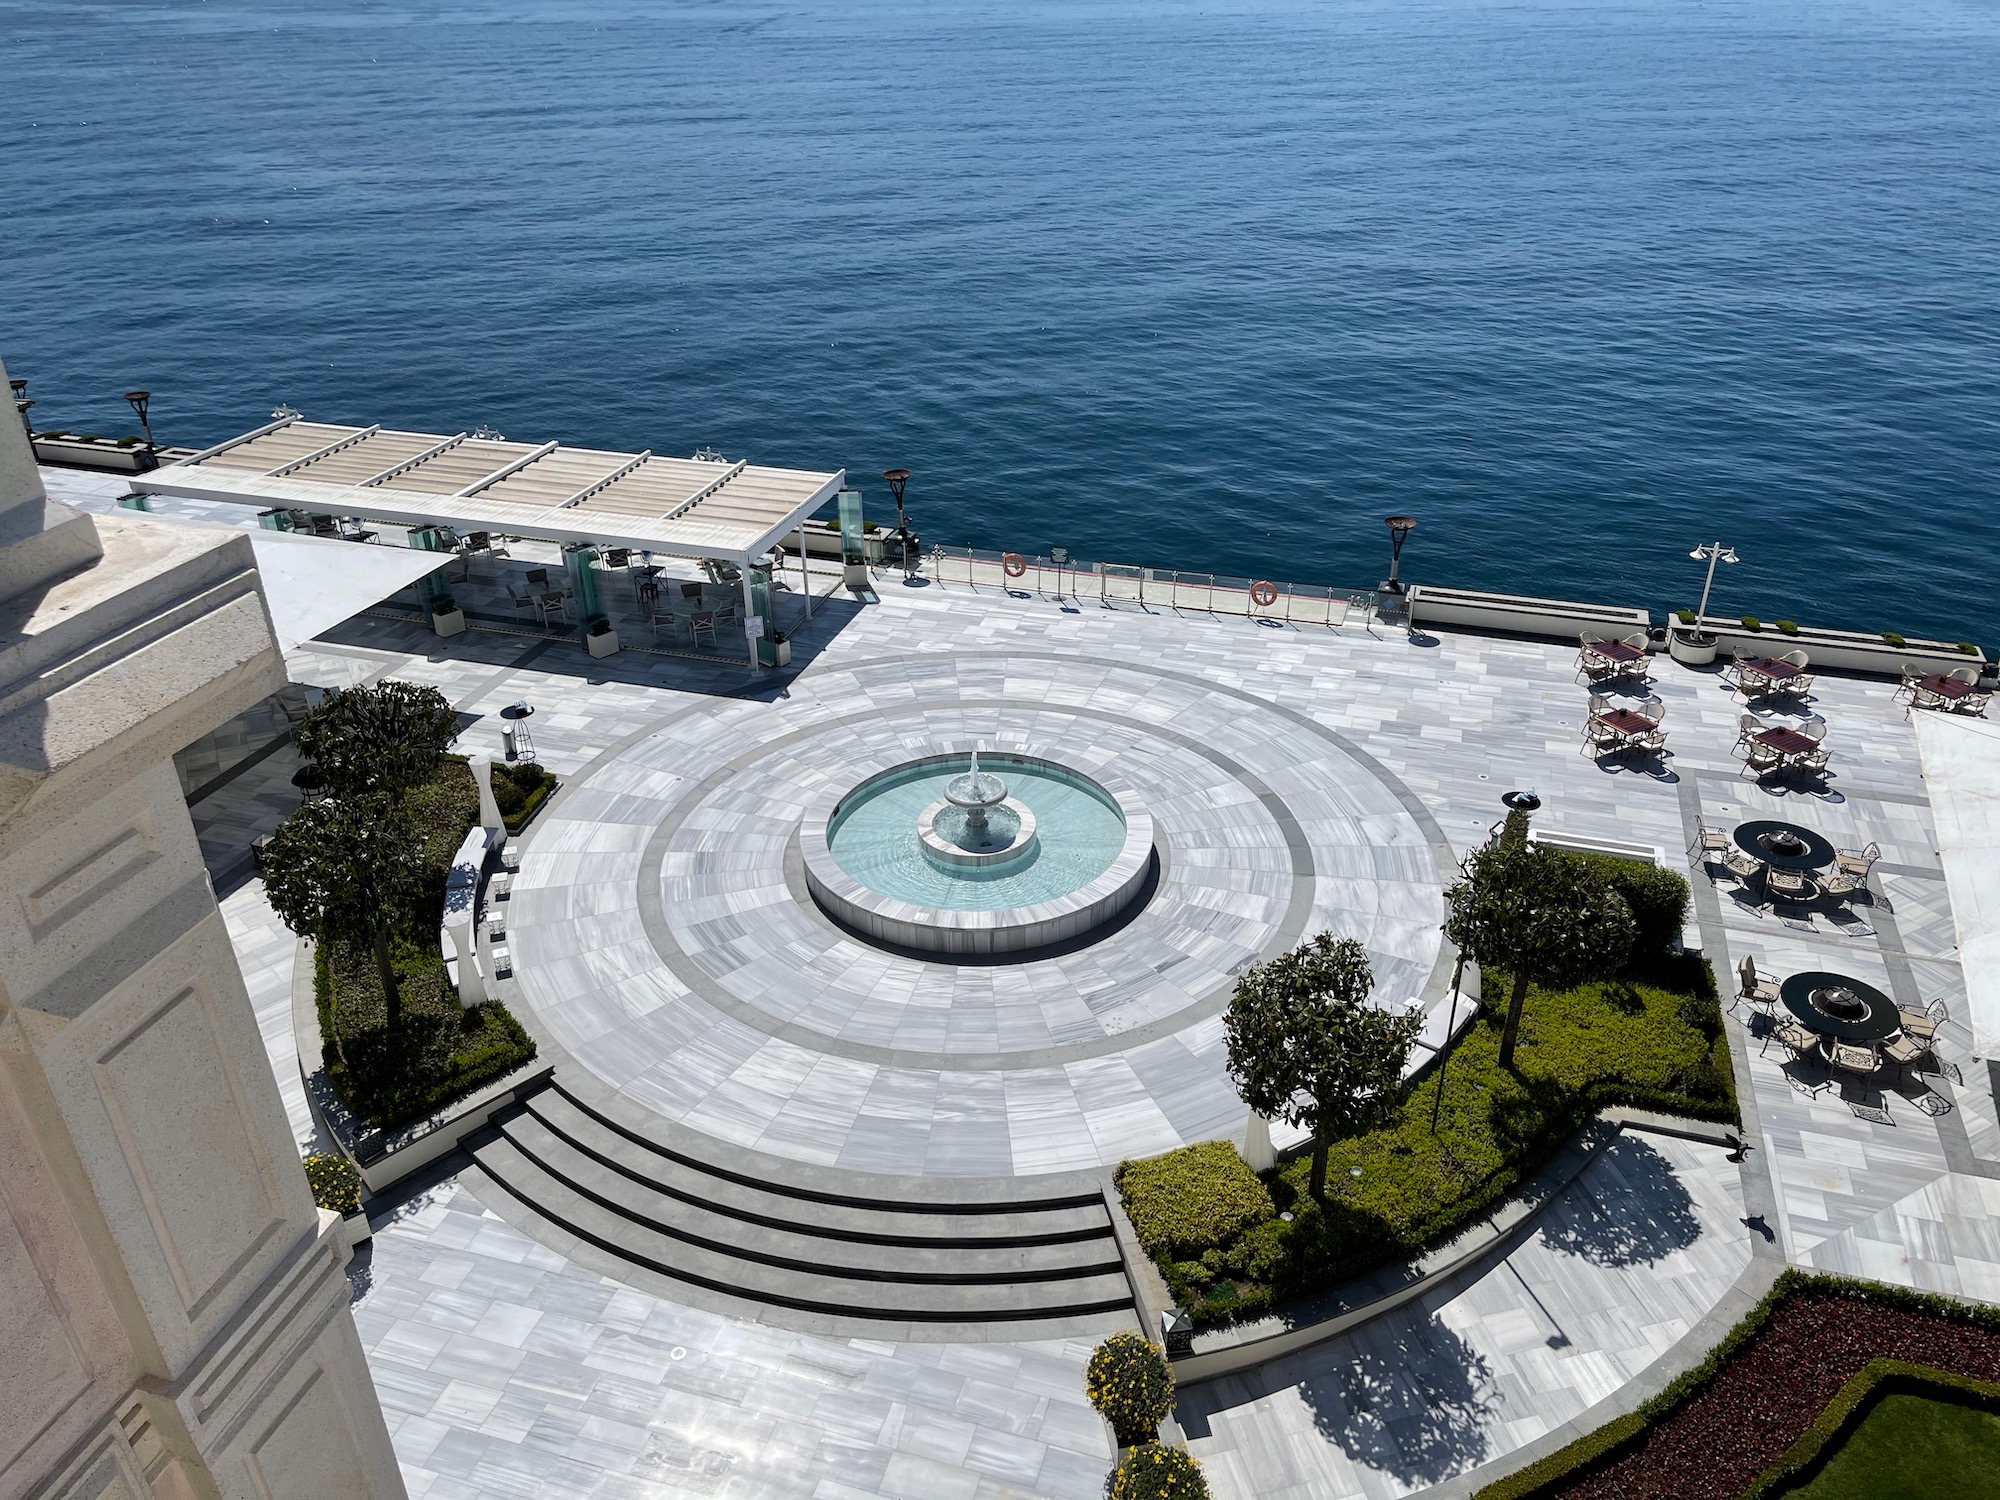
column 873, row 838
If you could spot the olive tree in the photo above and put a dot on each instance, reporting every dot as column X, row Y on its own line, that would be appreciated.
column 1540, row 917
column 1306, row 1047
column 348, row 871
column 385, row 738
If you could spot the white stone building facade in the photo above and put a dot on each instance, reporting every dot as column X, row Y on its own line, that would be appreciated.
column 173, row 1308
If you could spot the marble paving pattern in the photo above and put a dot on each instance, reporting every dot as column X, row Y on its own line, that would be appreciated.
column 1617, row 1269
column 506, row 1370
column 1483, row 1367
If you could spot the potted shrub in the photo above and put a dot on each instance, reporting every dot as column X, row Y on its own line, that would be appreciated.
column 336, row 1186
column 1156, row 1473
column 1131, row 1384
column 446, row 617
column 602, row 639
column 1689, row 645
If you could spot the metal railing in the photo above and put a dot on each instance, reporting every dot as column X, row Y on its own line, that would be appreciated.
column 1119, row 584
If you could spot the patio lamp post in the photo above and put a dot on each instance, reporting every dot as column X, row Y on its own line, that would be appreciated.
column 21, row 405
column 1714, row 552
column 140, row 400
column 1400, row 528
column 896, row 479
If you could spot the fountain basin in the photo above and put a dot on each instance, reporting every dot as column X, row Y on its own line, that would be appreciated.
column 1072, row 865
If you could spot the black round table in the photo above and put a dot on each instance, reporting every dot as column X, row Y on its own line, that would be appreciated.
column 1839, row 1006
column 1786, row 846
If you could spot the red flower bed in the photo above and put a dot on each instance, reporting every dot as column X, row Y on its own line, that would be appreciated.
column 1764, row 1399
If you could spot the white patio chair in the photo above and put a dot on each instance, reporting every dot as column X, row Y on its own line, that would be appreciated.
column 1745, row 867
column 1709, row 841
column 1857, row 861
column 1787, row 885
column 1860, row 1059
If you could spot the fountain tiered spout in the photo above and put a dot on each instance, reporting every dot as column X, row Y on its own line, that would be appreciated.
column 974, row 793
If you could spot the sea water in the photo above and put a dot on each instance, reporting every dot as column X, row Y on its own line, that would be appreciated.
column 1212, row 286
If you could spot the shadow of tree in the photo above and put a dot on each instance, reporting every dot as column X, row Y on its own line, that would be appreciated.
column 1407, row 1396
column 1628, row 1209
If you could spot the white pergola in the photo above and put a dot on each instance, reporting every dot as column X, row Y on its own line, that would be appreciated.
column 682, row 507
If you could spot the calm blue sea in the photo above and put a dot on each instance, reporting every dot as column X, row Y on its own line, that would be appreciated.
column 1217, row 285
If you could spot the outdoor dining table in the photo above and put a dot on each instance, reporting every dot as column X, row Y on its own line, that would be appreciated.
column 1617, row 651
column 1787, row 742
column 1775, row 671
column 1786, row 845
column 1627, row 722
column 1950, row 688
column 1837, row 1006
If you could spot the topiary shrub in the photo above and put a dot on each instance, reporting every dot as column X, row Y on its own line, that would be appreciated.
column 1789, row 627
column 1156, row 1473
column 1968, row 648
column 1191, row 1198
column 1891, row 638
column 1751, row 622
column 335, row 1182
column 1131, row 1384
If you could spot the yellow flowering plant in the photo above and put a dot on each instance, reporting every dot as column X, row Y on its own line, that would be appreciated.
column 1131, row 1384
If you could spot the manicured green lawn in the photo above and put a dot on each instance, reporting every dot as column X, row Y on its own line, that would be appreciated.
column 1913, row 1448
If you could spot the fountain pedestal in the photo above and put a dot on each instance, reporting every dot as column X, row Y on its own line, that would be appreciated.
column 971, row 853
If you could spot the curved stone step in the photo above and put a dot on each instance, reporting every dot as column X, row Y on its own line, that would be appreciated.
column 800, row 1245
column 598, row 1220
column 771, row 1205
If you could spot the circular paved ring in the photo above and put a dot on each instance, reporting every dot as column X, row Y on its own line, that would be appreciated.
column 643, row 952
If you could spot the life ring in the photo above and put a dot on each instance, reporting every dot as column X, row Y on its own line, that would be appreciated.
column 1015, row 564
column 1264, row 592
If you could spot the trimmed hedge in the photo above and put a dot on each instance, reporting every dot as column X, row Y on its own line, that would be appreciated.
column 1593, row 1453
column 1658, row 898
column 1801, row 1463
column 335, row 1181
column 1131, row 1384
column 1192, row 1198
column 520, row 790
column 1155, row 1473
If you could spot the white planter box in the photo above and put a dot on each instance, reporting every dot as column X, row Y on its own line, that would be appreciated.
column 1846, row 650
column 452, row 622
column 1559, row 619
column 602, row 644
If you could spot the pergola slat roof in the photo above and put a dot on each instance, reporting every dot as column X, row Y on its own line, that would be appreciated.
column 687, row 507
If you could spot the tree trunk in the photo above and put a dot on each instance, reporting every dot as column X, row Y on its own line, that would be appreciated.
column 1513, row 1026
column 392, row 998
column 1318, row 1185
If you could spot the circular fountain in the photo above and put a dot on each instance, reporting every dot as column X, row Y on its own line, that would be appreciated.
column 943, row 855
